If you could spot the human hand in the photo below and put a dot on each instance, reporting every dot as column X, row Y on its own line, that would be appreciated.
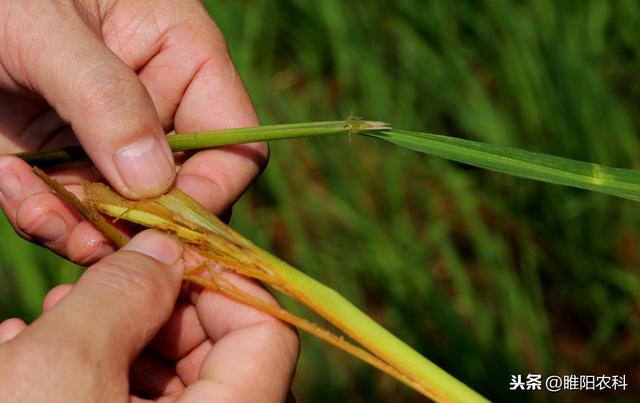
column 95, row 341
column 120, row 73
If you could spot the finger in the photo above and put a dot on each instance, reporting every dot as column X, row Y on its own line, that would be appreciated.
column 54, row 296
column 151, row 377
column 36, row 213
column 54, row 139
column 158, row 43
column 10, row 328
column 31, row 207
column 61, row 58
column 180, row 334
column 119, row 303
column 16, row 114
column 75, row 176
column 216, row 178
column 44, row 130
column 204, row 94
column 188, row 368
column 86, row 245
column 247, row 345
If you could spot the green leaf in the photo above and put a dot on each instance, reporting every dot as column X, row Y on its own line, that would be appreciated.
column 619, row 182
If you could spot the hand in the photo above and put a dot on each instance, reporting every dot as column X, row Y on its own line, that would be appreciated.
column 87, row 345
column 114, row 76
column 121, row 73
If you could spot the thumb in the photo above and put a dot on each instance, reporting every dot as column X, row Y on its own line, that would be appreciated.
column 51, row 50
column 119, row 303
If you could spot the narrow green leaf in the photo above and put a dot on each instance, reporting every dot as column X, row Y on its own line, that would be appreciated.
column 619, row 182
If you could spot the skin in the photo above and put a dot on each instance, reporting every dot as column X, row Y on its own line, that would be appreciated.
column 89, row 345
column 115, row 76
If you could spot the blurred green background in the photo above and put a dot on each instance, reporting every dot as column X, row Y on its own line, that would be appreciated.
column 487, row 275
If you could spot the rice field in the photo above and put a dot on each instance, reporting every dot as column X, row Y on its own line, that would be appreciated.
column 487, row 275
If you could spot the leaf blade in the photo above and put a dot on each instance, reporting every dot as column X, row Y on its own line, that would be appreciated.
column 624, row 183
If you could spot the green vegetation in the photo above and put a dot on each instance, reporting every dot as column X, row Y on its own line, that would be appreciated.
column 485, row 274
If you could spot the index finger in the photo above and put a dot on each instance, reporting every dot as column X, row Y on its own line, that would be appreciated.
column 214, row 98
column 247, row 345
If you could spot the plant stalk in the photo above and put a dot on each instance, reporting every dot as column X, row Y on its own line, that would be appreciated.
column 75, row 155
column 436, row 383
column 213, row 240
column 624, row 183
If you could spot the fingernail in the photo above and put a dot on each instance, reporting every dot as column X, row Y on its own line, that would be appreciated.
column 51, row 228
column 145, row 167
column 10, row 186
column 157, row 245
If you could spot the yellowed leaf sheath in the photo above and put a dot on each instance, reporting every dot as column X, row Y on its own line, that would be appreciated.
column 195, row 226
column 218, row 244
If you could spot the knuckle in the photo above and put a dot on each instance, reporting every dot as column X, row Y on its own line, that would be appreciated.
column 37, row 217
column 113, row 98
column 31, row 212
column 103, row 89
column 131, row 277
column 107, row 93
column 86, row 245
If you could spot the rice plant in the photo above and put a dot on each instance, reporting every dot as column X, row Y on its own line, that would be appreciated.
column 485, row 274
column 212, row 239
